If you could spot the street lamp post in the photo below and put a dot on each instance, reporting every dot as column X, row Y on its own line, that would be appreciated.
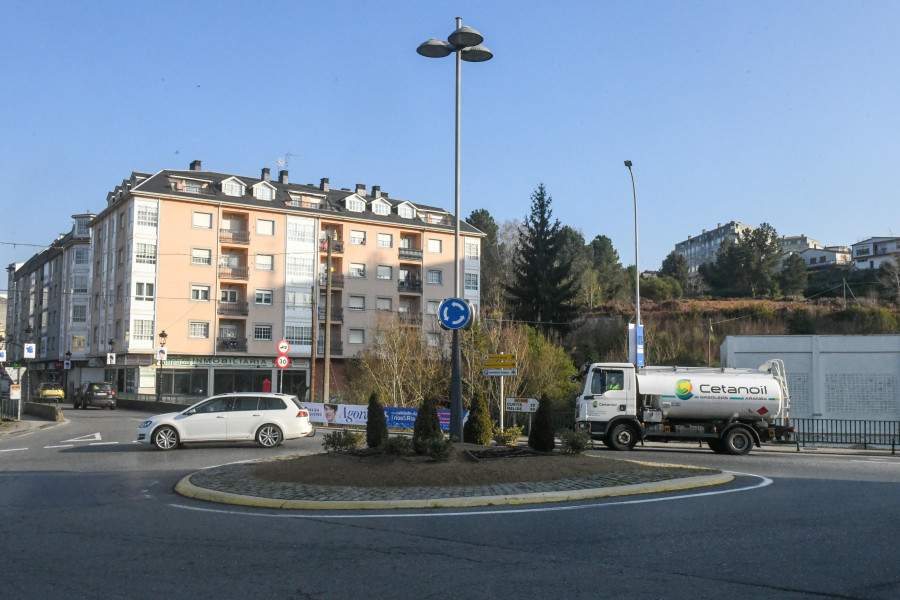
column 465, row 42
column 637, row 273
column 67, row 367
column 160, row 358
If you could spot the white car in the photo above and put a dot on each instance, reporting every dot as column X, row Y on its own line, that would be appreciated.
column 235, row 417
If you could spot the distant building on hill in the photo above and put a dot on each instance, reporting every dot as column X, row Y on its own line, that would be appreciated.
column 702, row 248
column 870, row 253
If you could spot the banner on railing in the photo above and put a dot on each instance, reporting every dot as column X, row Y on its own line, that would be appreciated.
column 357, row 414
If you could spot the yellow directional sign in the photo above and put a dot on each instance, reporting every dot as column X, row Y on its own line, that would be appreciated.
column 499, row 365
column 499, row 357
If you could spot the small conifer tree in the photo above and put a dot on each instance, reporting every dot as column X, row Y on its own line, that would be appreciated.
column 376, row 423
column 479, row 428
column 541, row 437
column 427, row 426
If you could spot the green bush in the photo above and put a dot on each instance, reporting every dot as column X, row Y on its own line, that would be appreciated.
column 398, row 445
column 479, row 427
column 376, row 423
column 344, row 440
column 427, row 425
column 574, row 442
column 437, row 449
column 542, row 436
column 509, row 437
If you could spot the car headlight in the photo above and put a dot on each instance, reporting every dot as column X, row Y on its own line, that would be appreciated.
column 145, row 424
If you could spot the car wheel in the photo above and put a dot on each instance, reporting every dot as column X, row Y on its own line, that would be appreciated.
column 738, row 441
column 269, row 436
column 622, row 437
column 112, row 407
column 165, row 438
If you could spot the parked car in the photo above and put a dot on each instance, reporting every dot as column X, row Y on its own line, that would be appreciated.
column 267, row 418
column 95, row 393
column 49, row 391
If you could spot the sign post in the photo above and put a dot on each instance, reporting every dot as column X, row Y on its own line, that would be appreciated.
column 282, row 362
column 455, row 314
column 500, row 365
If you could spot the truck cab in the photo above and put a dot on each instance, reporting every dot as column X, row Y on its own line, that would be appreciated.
column 607, row 402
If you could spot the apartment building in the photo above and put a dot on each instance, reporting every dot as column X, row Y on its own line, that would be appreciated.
column 227, row 266
column 48, row 303
column 870, row 253
column 702, row 248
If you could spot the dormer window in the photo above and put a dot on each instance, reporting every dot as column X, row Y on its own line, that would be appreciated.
column 233, row 187
column 381, row 208
column 262, row 191
column 355, row 205
column 406, row 211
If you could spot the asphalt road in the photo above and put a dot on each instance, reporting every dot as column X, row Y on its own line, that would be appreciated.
column 87, row 513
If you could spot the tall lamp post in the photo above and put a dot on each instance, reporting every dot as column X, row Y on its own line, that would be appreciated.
column 637, row 277
column 67, row 367
column 465, row 42
column 161, row 358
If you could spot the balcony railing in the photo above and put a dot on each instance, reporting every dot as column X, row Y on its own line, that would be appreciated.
column 227, row 272
column 234, row 236
column 233, row 308
column 408, row 318
column 231, row 344
column 336, row 245
column 410, row 254
column 337, row 347
column 407, row 286
column 337, row 280
column 337, row 313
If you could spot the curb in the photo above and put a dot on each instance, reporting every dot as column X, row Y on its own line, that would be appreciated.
column 185, row 488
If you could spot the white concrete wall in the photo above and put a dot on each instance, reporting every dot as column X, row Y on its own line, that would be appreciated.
column 829, row 376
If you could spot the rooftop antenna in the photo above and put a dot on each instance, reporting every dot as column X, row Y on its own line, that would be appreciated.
column 282, row 162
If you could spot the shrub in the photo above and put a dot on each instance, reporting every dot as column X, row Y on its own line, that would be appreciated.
column 542, row 436
column 479, row 427
column 437, row 449
column 574, row 442
column 376, row 423
column 398, row 445
column 344, row 440
column 510, row 437
column 427, row 425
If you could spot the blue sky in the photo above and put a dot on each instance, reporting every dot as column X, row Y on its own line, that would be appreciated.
column 783, row 112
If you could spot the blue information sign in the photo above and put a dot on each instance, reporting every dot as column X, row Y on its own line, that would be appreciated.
column 454, row 313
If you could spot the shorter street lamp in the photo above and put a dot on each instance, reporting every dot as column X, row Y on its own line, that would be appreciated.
column 160, row 357
column 66, row 369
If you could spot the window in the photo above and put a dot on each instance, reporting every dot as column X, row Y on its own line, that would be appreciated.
column 79, row 285
column 200, row 293
column 146, row 216
column 81, row 227
column 296, row 300
column 119, row 293
column 384, row 272
column 78, row 343
column 357, row 238
column 143, row 291
column 265, row 227
column 357, row 302
column 264, row 297
column 203, row 220
column 471, row 282
column 406, row 211
column 355, row 205
column 356, row 336
column 383, row 304
column 301, row 336
column 79, row 313
column 357, row 270
column 192, row 187
column 81, row 256
column 265, row 262
column 300, row 232
column 120, row 257
column 198, row 330
column 142, row 330
column 435, row 277
column 146, row 254
column 228, row 296
column 264, row 192
column 300, row 267
column 432, row 307
column 262, row 333
column 434, row 339
column 380, row 208
column 385, row 240
column 435, row 246
column 471, row 250
column 201, row 256
column 233, row 188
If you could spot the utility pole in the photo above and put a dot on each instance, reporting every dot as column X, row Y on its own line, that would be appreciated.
column 315, row 343
column 325, row 391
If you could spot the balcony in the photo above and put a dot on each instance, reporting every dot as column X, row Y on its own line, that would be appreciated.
column 410, row 254
column 337, row 280
column 230, row 272
column 336, row 245
column 337, row 347
column 231, row 344
column 233, row 309
column 234, row 236
column 408, row 286
column 408, row 318
column 337, row 313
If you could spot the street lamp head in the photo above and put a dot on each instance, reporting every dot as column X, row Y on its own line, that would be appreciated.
column 162, row 337
column 68, row 354
column 465, row 37
column 435, row 48
column 628, row 163
column 476, row 54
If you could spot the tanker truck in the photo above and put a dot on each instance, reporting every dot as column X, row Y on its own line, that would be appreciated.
column 730, row 409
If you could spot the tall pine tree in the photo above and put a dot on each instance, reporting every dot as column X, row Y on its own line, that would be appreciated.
column 542, row 292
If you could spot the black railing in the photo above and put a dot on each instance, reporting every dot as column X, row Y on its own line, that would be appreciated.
column 231, row 344
column 233, row 308
column 227, row 272
column 337, row 280
column 234, row 236
column 336, row 245
column 337, row 313
column 409, row 286
column 855, row 432
column 408, row 318
column 336, row 347
column 410, row 254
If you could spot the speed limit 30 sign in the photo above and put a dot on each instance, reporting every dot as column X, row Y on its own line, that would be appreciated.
column 282, row 362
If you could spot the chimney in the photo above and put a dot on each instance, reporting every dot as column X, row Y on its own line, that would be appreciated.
column 376, row 191
column 361, row 189
column 265, row 176
column 195, row 166
column 323, row 184
column 283, row 176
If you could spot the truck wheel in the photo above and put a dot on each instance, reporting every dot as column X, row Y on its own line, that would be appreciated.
column 716, row 446
column 621, row 437
column 738, row 441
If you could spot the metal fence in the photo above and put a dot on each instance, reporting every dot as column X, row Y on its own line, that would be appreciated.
column 9, row 409
column 855, row 432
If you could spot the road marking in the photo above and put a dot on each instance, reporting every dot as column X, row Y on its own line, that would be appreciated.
column 103, row 444
column 94, row 437
column 764, row 481
column 14, row 450
column 61, row 446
